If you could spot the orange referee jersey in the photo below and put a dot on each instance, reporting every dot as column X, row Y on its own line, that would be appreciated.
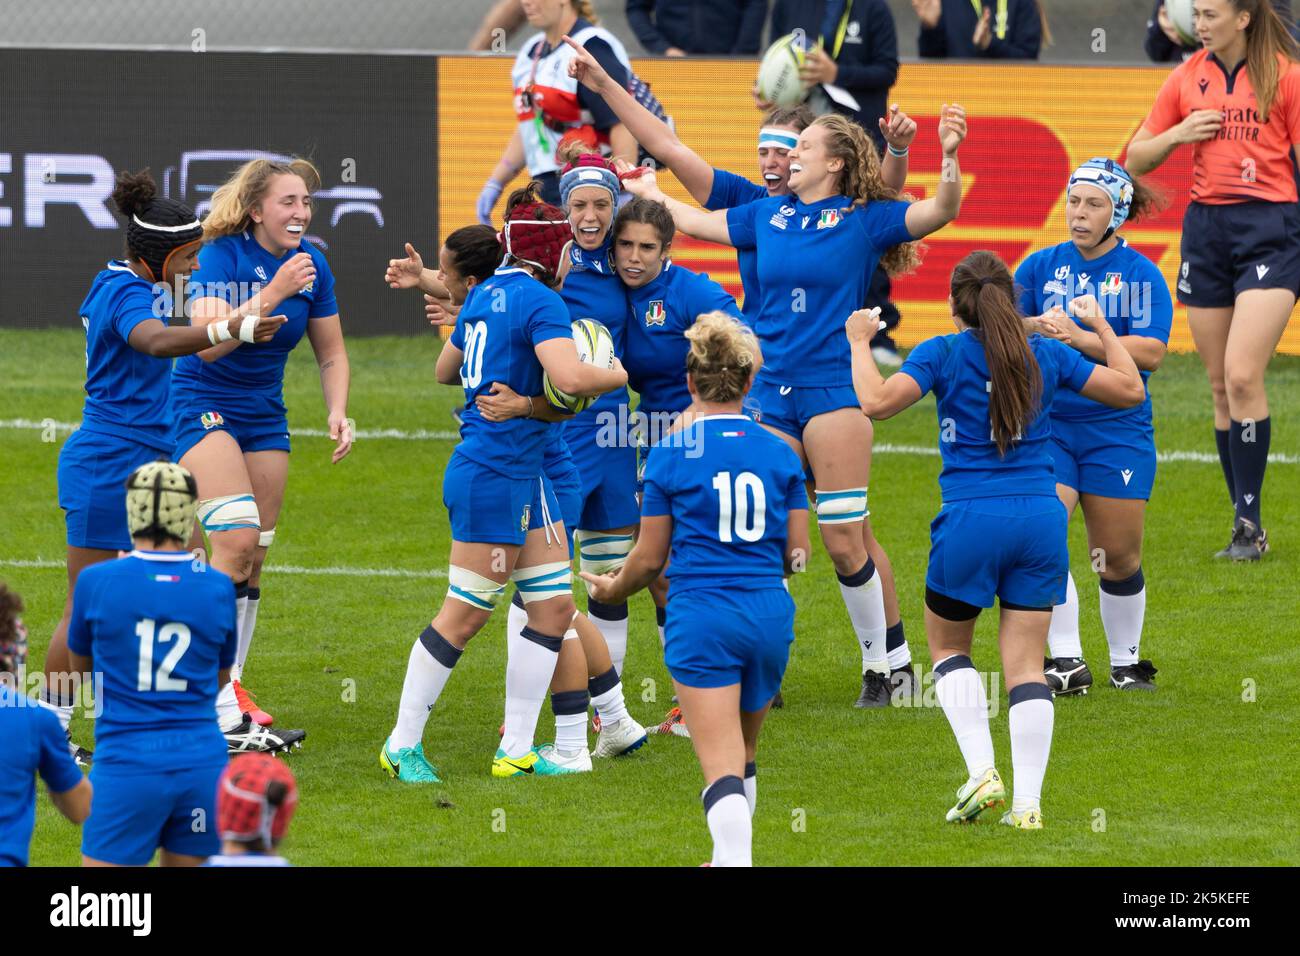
column 1247, row 159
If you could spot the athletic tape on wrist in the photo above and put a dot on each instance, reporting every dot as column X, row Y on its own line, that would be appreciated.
column 219, row 331
column 247, row 328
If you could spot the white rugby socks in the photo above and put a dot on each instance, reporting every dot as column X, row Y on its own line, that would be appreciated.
column 961, row 695
column 1063, row 635
column 866, row 606
column 427, row 670
column 247, row 623
column 727, row 813
column 528, row 678
column 1031, row 718
column 611, row 621
column 751, row 785
column 1123, row 608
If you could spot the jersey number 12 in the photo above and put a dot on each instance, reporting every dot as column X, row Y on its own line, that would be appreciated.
column 162, row 679
column 733, row 506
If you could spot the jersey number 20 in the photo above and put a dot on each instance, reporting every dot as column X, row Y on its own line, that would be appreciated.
column 162, row 679
column 733, row 506
column 471, row 370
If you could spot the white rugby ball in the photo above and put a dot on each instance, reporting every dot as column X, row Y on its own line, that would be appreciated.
column 1180, row 14
column 778, row 74
column 595, row 347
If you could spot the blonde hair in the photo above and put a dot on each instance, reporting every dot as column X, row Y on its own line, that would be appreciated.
column 584, row 9
column 861, row 181
column 235, row 199
column 721, row 358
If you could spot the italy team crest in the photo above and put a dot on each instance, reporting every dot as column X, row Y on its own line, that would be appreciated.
column 211, row 420
column 655, row 314
column 1112, row 284
column 829, row 219
column 523, row 522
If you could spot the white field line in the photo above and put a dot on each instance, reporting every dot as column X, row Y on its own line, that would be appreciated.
column 397, row 434
column 338, row 570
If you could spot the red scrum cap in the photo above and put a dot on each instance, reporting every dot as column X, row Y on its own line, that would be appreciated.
column 256, row 799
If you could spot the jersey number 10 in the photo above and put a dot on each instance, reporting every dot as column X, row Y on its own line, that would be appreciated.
column 161, row 680
column 733, row 507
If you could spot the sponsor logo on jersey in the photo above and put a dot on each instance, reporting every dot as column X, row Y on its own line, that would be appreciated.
column 1062, row 273
column 787, row 210
column 1261, row 271
column 778, row 221
column 829, row 219
column 1127, row 475
column 1052, row 287
column 168, row 578
column 854, row 33
column 733, row 434
column 211, row 420
column 785, row 389
column 305, row 290
column 806, row 220
column 1083, row 279
column 523, row 522
column 1204, row 85
column 261, row 274
column 655, row 314
column 1113, row 284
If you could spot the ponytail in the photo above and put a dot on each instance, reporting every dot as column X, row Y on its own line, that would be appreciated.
column 983, row 296
column 1267, row 41
column 584, row 9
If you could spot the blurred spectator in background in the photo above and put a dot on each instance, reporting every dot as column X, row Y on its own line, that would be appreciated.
column 682, row 27
column 851, row 44
column 505, row 17
column 1164, row 45
column 982, row 29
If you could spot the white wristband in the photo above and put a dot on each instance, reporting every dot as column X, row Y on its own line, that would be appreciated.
column 219, row 331
column 247, row 328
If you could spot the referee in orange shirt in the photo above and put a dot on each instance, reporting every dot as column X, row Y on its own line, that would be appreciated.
column 1238, row 102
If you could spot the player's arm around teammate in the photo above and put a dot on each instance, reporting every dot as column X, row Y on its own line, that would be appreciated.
column 992, row 387
column 127, row 419
column 732, row 508
column 232, row 428
column 512, row 328
column 1104, row 458
column 1237, row 102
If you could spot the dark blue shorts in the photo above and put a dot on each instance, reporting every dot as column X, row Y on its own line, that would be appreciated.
column 789, row 408
column 257, row 422
column 1011, row 548
column 1232, row 248
column 486, row 506
column 717, row 637
column 93, row 468
column 608, row 476
column 132, row 815
column 1113, row 458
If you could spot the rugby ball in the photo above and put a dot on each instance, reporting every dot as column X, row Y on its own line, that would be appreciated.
column 595, row 347
column 1180, row 14
column 778, row 74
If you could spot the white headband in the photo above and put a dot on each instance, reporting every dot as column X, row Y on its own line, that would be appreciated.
column 780, row 138
column 183, row 228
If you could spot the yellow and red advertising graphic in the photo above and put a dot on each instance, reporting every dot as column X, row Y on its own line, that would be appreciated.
column 1030, row 126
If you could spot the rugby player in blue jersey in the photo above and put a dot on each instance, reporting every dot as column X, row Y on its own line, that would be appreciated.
column 1001, row 530
column 726, row 498
column 1104, row 458
column 126, row 421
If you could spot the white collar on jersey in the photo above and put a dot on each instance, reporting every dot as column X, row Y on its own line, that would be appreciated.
column 722, row 416
column 161, row 555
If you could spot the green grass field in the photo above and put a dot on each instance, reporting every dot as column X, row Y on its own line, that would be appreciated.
column 1194, row 774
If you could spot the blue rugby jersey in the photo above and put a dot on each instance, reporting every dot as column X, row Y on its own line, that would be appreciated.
column 1134, row 299
column 126, row 390
column 159, row 629
column 502, row 321
column 731, row 190
column 729, row 485
column 815, row 261
column 31, row 743
column 953, row 367
column 235, row 268
column 660, row 312
column 592, row 290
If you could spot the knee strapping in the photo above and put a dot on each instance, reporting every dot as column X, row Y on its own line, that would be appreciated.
column 602, row 553
column 842, row 507
column 543, row 581
column 228, row 513
column 474, row 589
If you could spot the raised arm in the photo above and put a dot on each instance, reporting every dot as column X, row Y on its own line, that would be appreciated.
column 650, row 131
column 696, row 223
column 410, row 273
column 879, row 398
column 928, row 215
column 295, row 274
column 1148, row 150
column 154, row 337
column 899, row 130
